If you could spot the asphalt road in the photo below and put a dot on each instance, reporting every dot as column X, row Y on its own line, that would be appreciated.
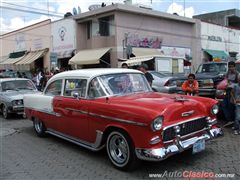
column 23, row 155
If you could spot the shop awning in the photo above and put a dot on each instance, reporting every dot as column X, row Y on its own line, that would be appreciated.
column 3, row 58
column 90, row 56
column 216, row 53
column 136, row 60
column 10, row 61
column 32, row 56
column 146, row 52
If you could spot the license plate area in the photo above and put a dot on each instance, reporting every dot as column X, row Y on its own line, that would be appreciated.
column 198, row 146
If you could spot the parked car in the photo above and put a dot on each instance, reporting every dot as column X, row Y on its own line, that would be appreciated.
column 13, row 74
column 216, row 70
column 117, row 109
column 11, row 95
column 173, row 84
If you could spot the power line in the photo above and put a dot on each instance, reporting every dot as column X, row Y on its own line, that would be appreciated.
column 29, row 11
column 56, row 13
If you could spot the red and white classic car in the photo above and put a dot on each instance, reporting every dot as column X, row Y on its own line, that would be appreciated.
column 117, row 109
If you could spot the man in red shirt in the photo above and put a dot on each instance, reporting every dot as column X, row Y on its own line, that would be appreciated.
column 190, row 86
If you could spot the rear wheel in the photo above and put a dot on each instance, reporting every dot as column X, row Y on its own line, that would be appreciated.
column 5, row 112
column 121, row 151
column 39, row 127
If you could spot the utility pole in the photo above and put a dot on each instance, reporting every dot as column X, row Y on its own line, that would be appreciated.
column 184, row 7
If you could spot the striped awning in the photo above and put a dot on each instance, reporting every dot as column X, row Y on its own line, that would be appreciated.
column 10, row 61
column 32, row 56
column 3, row 58
column 89, row 56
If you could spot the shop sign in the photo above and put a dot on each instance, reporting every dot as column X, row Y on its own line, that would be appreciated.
column 215, row 38
column 63, row 33
column 180, row 52
column 20, row 42
column 135, row 40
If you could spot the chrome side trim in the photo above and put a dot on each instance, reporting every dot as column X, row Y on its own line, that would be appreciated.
column 46, row 111
column 94, row 115
column 118, row 119
column 96, row 146
column 183, row 122
column 185, row 114
column 76, row 110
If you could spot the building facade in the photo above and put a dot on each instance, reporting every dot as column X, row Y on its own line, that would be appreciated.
column 63, row 33
column 123, row 29
column 26, row 48
column 219, row 42
column 229, row 18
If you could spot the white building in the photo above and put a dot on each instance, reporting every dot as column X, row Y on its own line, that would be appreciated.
column 219, row 42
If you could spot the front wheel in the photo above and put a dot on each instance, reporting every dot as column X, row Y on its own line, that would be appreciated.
column 5, row 112
column 121, row 151
column 39, row 127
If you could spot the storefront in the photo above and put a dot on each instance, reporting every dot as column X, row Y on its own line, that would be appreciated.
column 64, row 42
column 219, row 43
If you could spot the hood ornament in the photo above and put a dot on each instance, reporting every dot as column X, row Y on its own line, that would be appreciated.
column 189, row 113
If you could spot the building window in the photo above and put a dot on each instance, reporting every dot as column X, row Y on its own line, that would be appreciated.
column 89, row 29
column 105, row 25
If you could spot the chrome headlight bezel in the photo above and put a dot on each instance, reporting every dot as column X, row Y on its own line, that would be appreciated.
column 215, row 109
column 157, row 123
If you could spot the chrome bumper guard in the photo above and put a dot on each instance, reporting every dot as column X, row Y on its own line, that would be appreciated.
column 178, row 146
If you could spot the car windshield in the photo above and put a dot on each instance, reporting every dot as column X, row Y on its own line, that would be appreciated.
column 213, row 68
column 18, row 85
column 124, row 83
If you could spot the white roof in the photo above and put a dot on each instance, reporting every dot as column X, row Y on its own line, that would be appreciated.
column 89, row 73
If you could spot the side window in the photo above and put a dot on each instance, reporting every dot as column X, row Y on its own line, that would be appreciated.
column 54, row 89
column 95, row 89
column 75, row 86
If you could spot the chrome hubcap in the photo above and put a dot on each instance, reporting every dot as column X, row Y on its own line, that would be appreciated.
column 118, row 149
column 4, row 111
column 38, row 125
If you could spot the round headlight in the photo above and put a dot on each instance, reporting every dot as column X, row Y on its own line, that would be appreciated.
column 157, row 123
column 215, row 109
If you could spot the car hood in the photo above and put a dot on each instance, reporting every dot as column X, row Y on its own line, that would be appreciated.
column 172, row 107
column 15, row 95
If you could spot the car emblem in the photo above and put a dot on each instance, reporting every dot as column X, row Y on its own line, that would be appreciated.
column 189, row 113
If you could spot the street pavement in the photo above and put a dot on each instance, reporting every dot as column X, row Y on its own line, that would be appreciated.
column 25, row 156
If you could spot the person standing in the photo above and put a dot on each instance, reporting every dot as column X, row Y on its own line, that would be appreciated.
column 236, row 101
column 124, row 65
column 149, row 77
column 38, row 80
column 190, row 86
column 227, row 105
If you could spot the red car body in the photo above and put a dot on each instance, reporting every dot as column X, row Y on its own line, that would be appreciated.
column 141, row 125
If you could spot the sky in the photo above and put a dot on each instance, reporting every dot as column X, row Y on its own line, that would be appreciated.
column 15, row 14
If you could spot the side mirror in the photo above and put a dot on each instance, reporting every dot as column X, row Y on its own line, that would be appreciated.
column 76, row 95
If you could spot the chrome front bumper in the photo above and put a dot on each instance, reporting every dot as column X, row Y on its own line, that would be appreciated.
column 178, row 146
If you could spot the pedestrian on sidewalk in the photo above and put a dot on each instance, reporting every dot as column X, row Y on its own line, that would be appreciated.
column 227, row 105
column 236, row 101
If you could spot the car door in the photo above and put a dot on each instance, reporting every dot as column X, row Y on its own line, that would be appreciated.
column 51, row 116
column 73, row 111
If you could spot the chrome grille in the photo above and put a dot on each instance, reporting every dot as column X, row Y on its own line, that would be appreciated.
column 185, row 128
